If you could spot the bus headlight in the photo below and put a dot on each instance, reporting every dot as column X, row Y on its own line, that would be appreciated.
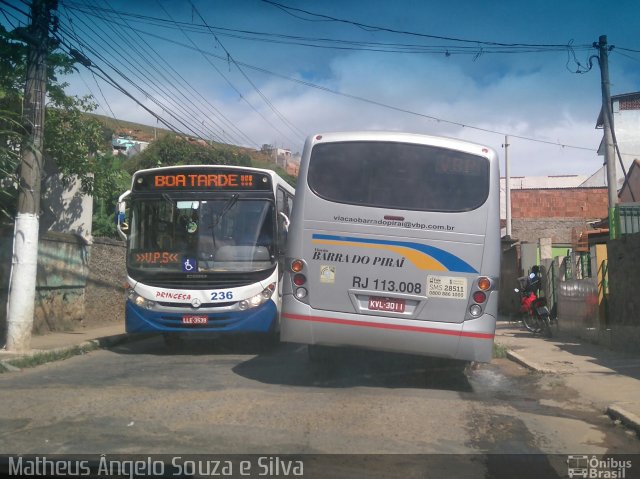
column 139, row 301
column 258, row 299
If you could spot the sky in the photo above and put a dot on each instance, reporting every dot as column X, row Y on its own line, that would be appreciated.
column 254, row 72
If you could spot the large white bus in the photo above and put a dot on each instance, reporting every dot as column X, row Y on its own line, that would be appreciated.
column 394, row 245
column 205, row 246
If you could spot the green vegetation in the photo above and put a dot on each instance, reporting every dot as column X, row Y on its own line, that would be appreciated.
column 78, row 143
column 71, row 141
column 499, row 351
column 47, row 357
column 174, row 150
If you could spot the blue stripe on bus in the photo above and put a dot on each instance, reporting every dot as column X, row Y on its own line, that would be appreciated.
column 448, row 260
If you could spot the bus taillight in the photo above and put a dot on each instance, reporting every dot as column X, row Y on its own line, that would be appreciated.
column 479, row 297
column 299, row 279
column 484, row 283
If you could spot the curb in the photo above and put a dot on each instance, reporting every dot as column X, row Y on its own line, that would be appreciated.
column 627, row 418
column 97, row 343
column 515, row 357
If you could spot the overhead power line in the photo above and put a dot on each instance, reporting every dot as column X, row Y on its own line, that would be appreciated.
column 375, row 102
column 115, row 18
column 508, row 47
column 222, row 75
column 104, row 98
column 180, row 110
column 93, row 65
column 181, row 98
column 342, row 44
column 273, row 108
column 291, row 10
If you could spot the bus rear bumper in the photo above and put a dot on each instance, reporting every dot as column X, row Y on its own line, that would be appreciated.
column 469, row 341
column 262, row 319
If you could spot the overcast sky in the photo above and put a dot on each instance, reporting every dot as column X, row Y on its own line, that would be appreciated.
column 252, row 72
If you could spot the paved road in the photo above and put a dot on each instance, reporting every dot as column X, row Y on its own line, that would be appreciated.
column 242, row 398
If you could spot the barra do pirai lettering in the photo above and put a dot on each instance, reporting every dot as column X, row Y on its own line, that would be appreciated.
column 382, row 261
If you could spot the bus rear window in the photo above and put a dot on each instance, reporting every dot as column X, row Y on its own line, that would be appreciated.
column 396, row 175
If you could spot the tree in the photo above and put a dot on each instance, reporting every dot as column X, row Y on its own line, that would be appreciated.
column 72, row 140
column 110, row 181
column 175, row 150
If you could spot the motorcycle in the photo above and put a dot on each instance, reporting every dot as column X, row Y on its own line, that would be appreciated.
column 534, row 311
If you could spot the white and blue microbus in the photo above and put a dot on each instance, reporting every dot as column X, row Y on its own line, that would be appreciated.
column 394, row 245
column 205, row 246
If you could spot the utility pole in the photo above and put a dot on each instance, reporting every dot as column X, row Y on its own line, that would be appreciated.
column 507, row 186
column 607, row 116
column 22, row 283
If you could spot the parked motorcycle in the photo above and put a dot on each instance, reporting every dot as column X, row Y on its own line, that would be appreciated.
column 534, row 311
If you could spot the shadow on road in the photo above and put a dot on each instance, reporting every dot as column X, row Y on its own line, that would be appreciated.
column 199, row 345
column 290, row 365
column 345, row 368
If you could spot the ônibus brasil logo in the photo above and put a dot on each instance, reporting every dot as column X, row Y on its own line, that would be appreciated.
column 592, row 467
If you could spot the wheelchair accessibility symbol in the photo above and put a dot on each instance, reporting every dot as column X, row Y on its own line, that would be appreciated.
column 189, row 265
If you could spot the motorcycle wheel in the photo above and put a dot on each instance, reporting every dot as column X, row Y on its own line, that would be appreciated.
column 530, row 322
column 546, row 326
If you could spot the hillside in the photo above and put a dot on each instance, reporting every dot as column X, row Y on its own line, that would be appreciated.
column 141, row 132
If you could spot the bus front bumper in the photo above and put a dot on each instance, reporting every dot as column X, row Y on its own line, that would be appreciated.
column 262, row 319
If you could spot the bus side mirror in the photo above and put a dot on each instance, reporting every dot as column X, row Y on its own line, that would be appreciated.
column 285, row 221
column 121, row 221
column 282, row 231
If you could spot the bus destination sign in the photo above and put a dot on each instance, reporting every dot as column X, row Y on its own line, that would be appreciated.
column 201, row 180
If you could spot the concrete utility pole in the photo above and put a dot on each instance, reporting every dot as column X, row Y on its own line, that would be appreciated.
column 22, row 284
column 607, row 116
column 507, row 186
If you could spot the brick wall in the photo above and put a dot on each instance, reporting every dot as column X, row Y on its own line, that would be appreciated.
column 558, row 229
column 585, row 203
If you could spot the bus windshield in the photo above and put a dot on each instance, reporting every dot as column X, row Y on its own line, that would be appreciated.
column 229, row 233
